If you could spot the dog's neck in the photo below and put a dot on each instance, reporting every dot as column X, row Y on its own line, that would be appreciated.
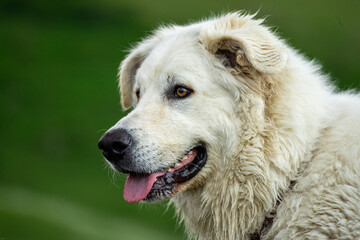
column 235, row 199
column 235, row 203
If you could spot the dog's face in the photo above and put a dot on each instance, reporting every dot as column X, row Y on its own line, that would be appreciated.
column 181, row 84
column 169, row 131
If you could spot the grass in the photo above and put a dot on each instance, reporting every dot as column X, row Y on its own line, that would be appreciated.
column 58, row 95
column 47, row 215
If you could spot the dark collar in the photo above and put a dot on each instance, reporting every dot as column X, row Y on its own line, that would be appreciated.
column 268, row 221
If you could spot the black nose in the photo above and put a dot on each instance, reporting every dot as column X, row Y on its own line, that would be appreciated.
column 114, row 144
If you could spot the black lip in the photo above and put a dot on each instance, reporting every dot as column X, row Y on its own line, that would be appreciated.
column 166, row 184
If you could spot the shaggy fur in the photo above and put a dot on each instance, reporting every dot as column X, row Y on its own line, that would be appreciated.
column 267, row 115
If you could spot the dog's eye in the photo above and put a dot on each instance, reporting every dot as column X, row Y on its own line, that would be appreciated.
column 182, row 92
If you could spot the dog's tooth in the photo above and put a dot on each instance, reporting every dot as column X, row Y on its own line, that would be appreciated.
column 190, row 152
column 171, row 170
column 177, row 164
column 185, row 157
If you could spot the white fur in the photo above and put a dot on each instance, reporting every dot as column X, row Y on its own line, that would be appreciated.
column 267, row 116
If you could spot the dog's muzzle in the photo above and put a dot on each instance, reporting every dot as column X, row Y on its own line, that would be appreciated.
column 150, row 184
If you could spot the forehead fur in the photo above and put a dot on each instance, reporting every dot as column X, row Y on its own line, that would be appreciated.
column 244, row 37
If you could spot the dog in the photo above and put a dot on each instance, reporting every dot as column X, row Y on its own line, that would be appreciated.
column 245, row 136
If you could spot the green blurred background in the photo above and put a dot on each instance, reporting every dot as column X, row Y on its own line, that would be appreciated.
column 58, row 95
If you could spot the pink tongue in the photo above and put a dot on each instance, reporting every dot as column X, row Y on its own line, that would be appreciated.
column 138, row 187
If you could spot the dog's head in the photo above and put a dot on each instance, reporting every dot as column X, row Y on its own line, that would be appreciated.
column 185, row 85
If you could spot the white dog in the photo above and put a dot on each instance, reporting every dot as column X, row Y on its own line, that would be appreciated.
column 246, row 136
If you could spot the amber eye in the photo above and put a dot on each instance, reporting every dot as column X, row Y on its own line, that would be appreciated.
column 182, row 92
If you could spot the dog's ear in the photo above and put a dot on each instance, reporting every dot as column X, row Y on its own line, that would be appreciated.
column 127, row 72
column 129, row 67
column 240, row 41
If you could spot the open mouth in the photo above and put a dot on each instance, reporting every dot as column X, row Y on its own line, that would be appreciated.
column 163, row 184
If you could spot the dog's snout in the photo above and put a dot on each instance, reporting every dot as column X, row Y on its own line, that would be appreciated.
column 114, row 144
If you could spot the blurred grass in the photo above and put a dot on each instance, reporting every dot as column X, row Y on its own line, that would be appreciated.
column 72, row 221
column 58, row 95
